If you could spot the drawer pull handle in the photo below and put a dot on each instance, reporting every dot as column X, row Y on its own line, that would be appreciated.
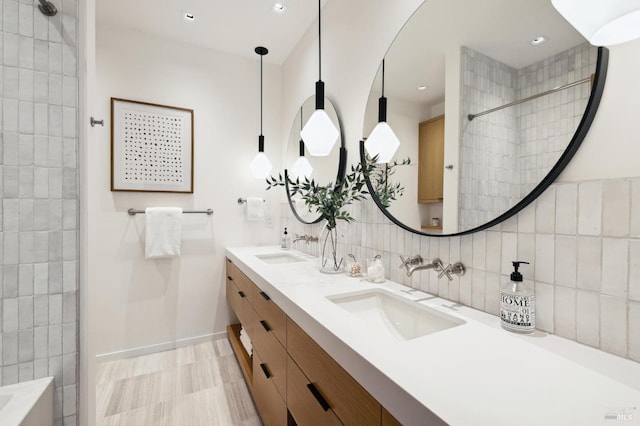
column 229, row 278
column 241, row 293
column 265, row 295
column 266, row 372
column 323, row 402
column 264, row 325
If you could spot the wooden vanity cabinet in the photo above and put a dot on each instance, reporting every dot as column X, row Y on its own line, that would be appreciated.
column 271, row 316
column 291, row 378
column 265, row 341
column 270, row 404
column 431, row 160
column 352, row 404
column 304, row 401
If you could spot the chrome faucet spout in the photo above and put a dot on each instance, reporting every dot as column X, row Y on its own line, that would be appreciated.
column 307, row 238
column 435, row 265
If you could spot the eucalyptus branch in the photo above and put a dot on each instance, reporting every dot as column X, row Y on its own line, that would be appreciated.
column 329, row 200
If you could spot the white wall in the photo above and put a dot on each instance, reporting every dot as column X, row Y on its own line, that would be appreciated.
column 151, row 302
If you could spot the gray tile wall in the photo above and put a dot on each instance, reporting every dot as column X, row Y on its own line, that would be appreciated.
column 506, row 153
column 583, row 242
column 546, row 124
column 489, row 183
column 39, row 211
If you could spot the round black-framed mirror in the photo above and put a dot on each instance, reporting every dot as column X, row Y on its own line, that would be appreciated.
column 563, row 58
column 325, row 169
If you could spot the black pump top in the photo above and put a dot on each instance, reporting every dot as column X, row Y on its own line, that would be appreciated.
column 285, row 231
column 515, row 275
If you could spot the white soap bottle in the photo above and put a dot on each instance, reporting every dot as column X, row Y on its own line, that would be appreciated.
column 517, row 303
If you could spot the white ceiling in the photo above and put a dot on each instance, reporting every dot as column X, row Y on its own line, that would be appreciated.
column 501, row 29
column 235, row 26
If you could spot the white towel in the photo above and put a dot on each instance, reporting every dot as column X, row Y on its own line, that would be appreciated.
column 163, row 232
column 255, row 209
column 246, row 342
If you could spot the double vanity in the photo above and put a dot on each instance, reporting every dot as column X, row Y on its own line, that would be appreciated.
column 363, row 353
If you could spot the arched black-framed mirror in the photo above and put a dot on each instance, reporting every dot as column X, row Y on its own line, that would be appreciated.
column 482, row 161
column 324, row 169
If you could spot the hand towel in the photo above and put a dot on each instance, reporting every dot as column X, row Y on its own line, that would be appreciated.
column 163, row 232
column 255, row 209
column 246, row 342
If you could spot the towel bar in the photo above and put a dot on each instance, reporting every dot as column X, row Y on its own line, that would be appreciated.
column 133, row 212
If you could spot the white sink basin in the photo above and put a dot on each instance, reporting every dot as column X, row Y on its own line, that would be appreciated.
column 393, row 315
column 275, row 258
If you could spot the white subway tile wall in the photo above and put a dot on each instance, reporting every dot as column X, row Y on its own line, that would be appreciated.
column 39, row 211
column 587, row 286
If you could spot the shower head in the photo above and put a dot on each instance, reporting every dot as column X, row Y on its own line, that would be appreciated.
column 47, row 8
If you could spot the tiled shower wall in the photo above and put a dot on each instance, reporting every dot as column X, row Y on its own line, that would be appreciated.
column 489, row 150
column 583, row 243
column 546, row 124
column 506, row 153
column 39, row 219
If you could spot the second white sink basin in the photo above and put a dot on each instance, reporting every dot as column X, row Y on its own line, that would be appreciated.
column 279, row 258
column 394, row 315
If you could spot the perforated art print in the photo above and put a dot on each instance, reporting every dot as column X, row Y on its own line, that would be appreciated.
column 151, row 147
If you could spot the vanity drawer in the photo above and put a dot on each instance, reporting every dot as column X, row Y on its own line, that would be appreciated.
column 273, row 354
column 238, row 277
column 270, row 313
column 351, row 403
column 271, row 406
column 305, row 401
column 239, row 302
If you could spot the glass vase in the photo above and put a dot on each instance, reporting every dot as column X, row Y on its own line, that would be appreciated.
column 330, row 261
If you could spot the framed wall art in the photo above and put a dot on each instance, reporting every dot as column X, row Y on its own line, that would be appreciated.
column 151, row 147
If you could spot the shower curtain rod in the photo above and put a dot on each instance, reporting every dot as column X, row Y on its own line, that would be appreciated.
column 470, row 117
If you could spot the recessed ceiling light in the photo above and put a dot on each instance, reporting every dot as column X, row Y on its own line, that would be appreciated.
column 188, row 16
column 422, row 87
column 279, row 8
column 538, row 40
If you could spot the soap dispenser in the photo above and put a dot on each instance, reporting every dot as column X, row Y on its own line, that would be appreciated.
column 285, row 243
column 517, row 303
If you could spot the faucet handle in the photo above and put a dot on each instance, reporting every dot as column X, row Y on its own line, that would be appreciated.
column 414, row 260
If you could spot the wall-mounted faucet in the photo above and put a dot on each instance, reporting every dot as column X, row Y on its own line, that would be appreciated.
column 307, row 238
column 416, row 263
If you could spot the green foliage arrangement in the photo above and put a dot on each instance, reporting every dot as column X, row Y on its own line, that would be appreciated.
column 329, row 200
column 380, row 177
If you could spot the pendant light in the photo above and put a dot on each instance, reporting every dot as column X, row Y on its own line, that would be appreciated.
column 602, row 22
column 260, row 166
column 319, row 134
column 301, row 168
column 382, row 141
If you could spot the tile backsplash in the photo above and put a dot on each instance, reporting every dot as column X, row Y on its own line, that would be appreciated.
column 582, row 240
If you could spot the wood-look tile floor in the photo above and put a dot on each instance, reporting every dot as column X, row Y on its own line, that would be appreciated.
column 199, row 385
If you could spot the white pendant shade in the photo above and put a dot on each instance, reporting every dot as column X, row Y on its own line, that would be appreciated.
column 602, row 22
column 382, row 142
column 260, row 166
column 319, row 134
column 301, row 168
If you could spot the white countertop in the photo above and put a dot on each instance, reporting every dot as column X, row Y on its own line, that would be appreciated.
column 475, row 373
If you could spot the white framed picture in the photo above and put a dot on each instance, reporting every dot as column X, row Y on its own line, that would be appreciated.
column 151, row 147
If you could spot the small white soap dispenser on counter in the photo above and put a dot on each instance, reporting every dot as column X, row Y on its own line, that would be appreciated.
column 517, row 303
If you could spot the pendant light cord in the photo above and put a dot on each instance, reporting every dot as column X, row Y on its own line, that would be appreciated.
column 383, row 78
column 319, row 42
column 260, row 94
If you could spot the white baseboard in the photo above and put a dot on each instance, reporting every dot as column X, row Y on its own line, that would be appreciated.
column 160, row 347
